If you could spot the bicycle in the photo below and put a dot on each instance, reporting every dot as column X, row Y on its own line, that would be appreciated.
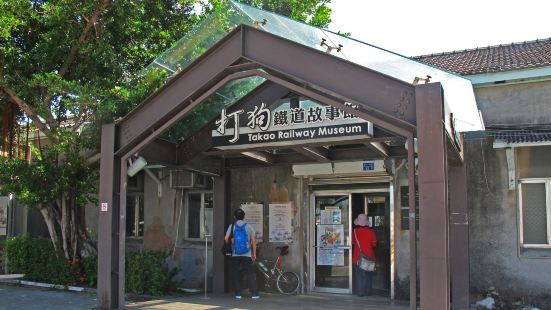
column 287, row 282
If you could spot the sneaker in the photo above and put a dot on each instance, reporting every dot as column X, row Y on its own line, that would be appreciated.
column 255, row 297
column 238, row 297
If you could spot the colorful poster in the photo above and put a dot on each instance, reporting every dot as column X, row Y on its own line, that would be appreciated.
column 325, row 217
column 330, row 257
column 329, row 238
column 254, row 215
column 280, row 222
column 330, row 216
column 335, row 217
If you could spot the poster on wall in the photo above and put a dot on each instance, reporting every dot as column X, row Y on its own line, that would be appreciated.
column 328, row 240
column 330, row 216
column 254, row 215
column 280, row 222
column 330, row 257
column 325, row 217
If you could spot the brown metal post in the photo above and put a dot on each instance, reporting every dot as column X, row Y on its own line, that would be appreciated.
column 412, row 225
column 459, row 237
column 122, row 233
column 108, row 221
column 220, row 209
column 433, row 199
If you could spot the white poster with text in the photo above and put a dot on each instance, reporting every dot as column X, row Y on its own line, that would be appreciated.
column 254, row 215
column 280, row 223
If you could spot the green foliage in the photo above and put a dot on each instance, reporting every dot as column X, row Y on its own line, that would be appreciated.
column 313, row 12
column 74, row 65
column 43, row 180
column 147, row 273
column 89, row 265
column 38, row 261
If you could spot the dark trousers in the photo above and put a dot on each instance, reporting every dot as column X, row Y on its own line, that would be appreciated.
column 364, row 281
column 239, row 264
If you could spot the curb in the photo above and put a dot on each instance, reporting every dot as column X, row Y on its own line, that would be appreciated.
column 48, row 285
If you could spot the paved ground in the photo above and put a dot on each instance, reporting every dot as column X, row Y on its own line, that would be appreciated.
column 17, row 297
column 272, row 301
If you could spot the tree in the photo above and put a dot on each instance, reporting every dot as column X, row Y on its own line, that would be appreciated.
column 69, row 66
column 59, row 63
column 313, row 12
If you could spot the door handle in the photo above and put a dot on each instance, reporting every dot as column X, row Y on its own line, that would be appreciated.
column 344, row 247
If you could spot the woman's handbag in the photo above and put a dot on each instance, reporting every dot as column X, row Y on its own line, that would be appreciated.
column 364, row 262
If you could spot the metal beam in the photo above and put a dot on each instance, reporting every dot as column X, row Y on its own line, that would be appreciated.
column 379, row 93
column 260, row 156
column 219, row 220
column 380, row 148
column 201, row 75
column 201, row 141
column 342, row 154
column 206, row 165
column 459, row 237
column 433, row 199
column 160, row 151
column 316, row 153
column 363, row 111
column 107, row 293
column 360, row 141
column 121, row 235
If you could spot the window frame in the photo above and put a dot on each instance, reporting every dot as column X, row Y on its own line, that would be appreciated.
column 547, row 182
column 202, row 214
column 136, row 196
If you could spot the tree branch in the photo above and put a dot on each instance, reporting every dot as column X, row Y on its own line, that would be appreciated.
column 83, row 36
column 21, row 104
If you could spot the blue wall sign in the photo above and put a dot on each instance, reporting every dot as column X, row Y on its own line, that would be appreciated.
column 368, row 166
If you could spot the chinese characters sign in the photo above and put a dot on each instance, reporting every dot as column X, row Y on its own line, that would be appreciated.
column 280, row 222
column 254, row 215
column 281, row 126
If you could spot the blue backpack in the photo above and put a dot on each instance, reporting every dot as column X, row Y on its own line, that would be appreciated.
column 240, row 240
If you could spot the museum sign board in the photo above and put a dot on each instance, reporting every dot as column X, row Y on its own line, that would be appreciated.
column 290, row 126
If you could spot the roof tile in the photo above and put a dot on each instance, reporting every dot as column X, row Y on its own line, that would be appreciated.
column 498, row 58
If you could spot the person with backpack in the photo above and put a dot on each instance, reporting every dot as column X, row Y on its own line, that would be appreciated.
column 242, row 237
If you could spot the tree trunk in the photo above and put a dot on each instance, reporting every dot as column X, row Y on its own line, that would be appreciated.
column 70, row 219
column 65, row 218
column 49, row 217
column 73, row 229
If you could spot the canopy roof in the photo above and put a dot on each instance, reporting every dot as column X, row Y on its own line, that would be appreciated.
column 458, row 93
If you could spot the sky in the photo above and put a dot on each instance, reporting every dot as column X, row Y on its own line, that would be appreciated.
column 413, row 28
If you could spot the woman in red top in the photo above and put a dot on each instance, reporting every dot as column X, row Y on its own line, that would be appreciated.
column 367, row 240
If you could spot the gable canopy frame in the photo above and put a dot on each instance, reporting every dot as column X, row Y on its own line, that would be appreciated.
column 384, row 101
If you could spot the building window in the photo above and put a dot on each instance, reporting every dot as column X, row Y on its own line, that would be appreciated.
column 198, row 215
column 534, row 196
column 535, row 212
column 134, row 215
column 404, row 207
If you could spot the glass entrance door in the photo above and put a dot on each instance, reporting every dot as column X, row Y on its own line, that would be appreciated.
column 332, row 255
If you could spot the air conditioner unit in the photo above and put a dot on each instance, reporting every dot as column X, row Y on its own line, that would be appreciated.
column 187, row 179
column 182, row 179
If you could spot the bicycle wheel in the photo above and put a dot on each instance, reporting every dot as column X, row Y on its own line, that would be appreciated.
column 287, row 283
